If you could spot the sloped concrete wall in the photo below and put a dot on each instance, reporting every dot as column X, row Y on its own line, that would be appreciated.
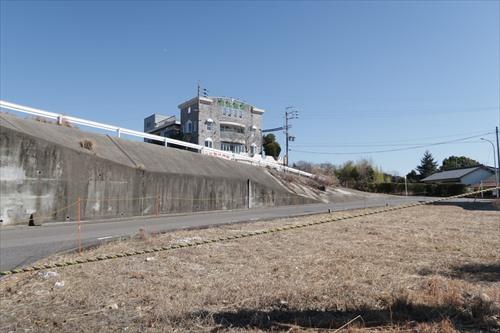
column 43, row 170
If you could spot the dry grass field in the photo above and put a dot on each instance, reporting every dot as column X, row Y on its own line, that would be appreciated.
column 424, row 269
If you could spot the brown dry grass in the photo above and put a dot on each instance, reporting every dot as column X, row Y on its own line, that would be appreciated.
column 425, row 269
column 87, row 144
column 63, row 122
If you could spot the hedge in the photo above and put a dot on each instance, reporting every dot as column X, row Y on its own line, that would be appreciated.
column 435, row 190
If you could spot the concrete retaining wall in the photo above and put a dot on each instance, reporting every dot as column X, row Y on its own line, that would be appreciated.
column 44, row 169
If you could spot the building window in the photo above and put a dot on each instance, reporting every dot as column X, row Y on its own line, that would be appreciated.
column 253, row 149
column 236, row 148
column 231, row 129
column 209, row 143
column 209, row 123
column 189, row 110
column 189, row 126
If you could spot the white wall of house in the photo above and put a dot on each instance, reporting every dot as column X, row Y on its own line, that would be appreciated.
column 476, row 177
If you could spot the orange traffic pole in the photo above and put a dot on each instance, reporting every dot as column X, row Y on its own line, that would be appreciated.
column 78, row 226
column 157, row 203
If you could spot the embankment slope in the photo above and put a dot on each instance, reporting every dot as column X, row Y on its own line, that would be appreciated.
column 44, row 170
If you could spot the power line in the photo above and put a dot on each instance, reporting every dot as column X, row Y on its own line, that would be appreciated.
column 382, row 113
column 389, row 142
column 369, row 145
column 393, row 150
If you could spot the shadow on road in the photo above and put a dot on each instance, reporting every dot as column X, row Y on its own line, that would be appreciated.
column 469, row 205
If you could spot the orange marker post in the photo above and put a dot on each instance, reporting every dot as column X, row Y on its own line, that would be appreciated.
column 157, row 203
column 78, row 226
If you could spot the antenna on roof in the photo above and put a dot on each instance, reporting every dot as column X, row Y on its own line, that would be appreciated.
column 202, row 92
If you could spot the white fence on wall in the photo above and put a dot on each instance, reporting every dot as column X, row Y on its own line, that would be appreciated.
column 60, row 118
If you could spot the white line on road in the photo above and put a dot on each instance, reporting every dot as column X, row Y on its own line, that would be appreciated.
column 105, row 237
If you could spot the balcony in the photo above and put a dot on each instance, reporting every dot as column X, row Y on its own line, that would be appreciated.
column 232, row 132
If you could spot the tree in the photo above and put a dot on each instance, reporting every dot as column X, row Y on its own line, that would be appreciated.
column 455, row 162
column 427, row 166
column 344, row 172
column 413, row 177
column 328, row 168
column 304, row 166
column 354, row 174
column 271, row 147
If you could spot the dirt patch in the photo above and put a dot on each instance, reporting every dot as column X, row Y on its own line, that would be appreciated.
column 424, row 269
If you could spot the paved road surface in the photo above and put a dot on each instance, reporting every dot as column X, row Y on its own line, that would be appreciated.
column 22, row 245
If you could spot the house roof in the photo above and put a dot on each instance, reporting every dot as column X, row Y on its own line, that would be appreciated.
column 453, row 174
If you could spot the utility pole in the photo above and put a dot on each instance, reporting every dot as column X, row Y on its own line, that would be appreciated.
column 497, row 180
column 406, row 186
column 285, row 162
column 290, row 113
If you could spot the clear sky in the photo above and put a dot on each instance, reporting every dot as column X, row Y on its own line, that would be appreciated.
column 365, row 75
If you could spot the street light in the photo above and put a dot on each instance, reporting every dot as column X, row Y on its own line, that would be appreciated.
column 494, row 164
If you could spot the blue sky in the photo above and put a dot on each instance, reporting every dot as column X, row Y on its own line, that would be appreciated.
column 365, row 75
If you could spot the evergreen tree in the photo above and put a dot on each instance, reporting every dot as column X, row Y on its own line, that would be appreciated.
column 427, row 166
column 412, row 177
column 455, row 162
column 271, row 147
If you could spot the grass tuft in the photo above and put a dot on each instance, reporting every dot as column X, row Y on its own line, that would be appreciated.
column 87, row 144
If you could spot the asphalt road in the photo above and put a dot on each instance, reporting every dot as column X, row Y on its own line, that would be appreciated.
column 23, row 245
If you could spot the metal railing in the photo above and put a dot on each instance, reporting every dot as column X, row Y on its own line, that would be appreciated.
column 60, row 118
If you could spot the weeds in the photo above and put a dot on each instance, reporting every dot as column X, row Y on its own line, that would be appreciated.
column 42, row 120
column 87, row 144
column 306, row 280
column 62, row 122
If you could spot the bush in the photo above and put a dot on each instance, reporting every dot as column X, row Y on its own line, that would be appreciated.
column 87, row 144
column 435, row 190
column 325, row 181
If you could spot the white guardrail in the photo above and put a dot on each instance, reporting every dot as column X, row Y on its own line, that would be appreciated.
column 60, row 118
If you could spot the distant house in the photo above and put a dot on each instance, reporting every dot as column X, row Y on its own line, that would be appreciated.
column 215, row 122
column 467, row 176
column 165, row 126
column 223, row 123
